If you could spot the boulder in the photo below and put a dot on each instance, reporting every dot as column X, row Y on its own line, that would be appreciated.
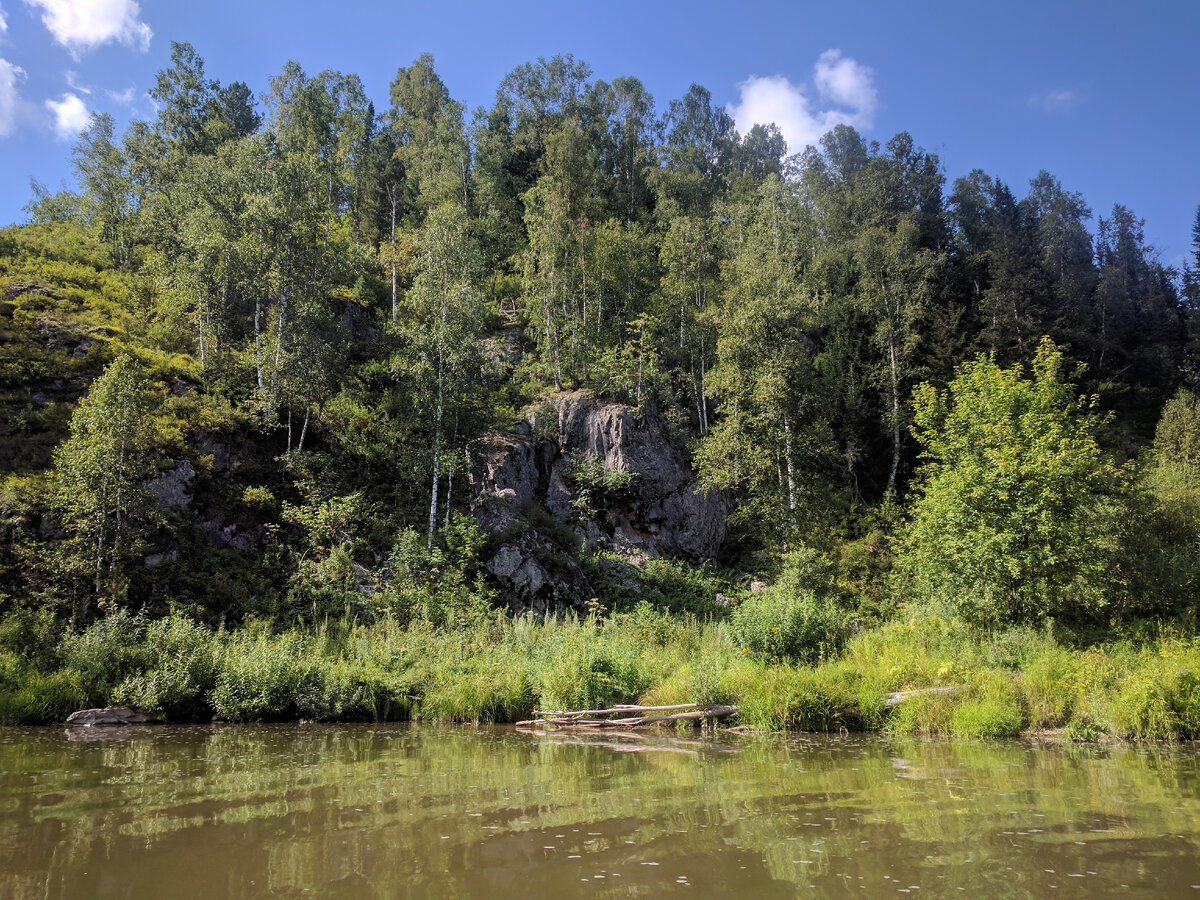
column 110, row 716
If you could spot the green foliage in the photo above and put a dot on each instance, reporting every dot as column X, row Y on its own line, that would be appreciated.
column 581, row 672
column 684, row 588
column 320, row 288
column 596, row 485
column 106, row 653
column 1083, row 731
column 101, row 473
column 1019, row 505
column 1163, row 532
column 797, row 618
column 181, row 661
column 37, row 698
column 1160, row 698
column 265, row 677
column 986, row 719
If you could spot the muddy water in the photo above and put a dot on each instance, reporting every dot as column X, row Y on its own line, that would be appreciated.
column 399, row 811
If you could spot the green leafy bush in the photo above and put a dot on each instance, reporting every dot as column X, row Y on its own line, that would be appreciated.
column 182, row 661
column 987, row 718
column 264, row 677
column 782, row 625
column 1019, row 507
column 106, row 653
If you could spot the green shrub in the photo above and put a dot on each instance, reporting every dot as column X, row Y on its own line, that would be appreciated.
column 590, row 667
column 923, row 714
column 781, row 626
column 1161, row 698
column 495, row 688
column 34, row 635
column 108, row 652
column 1083, row 731
column 1048, row 686
column 596, row 486
column 42, row 699
column 684, row 588
column 183, row 659
column 1017, row 514
column 987, row 718
column 264, row 677
column 340, row 692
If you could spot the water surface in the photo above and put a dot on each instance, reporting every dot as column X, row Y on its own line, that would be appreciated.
column 408, row 811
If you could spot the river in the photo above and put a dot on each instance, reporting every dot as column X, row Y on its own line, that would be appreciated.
column 448, row 812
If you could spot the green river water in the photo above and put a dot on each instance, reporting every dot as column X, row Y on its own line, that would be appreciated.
column 445, row 812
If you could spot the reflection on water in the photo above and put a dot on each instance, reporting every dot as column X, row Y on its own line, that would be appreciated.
column 400, row 811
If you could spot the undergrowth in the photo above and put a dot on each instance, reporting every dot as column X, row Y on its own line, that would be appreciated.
column 500, row 669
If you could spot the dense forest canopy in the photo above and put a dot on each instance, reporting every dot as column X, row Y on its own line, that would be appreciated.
column 322, row 285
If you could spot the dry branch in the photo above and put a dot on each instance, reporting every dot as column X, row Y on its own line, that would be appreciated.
column 619, row 708
column 576, row 718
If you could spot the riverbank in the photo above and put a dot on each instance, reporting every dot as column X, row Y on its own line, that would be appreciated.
column 498, row 669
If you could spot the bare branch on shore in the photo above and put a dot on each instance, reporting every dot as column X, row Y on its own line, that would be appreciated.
column 627, row 716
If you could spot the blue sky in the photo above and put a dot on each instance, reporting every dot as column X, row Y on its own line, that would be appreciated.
column 1099, row 93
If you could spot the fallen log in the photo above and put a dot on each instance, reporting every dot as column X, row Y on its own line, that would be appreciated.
column 653, row 716
column 898, row 697
column 619, row 708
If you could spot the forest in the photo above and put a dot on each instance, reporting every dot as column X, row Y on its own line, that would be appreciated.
column 260, row 365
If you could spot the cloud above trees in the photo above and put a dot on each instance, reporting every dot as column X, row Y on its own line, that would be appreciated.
column 81, row 25
column 10, row 77
column 70, row 116
column 842, row 93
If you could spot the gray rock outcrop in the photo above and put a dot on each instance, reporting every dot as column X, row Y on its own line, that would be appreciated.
column 173, row 487
column 527, row 490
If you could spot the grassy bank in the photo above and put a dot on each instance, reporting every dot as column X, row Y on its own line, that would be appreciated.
column 497, row 669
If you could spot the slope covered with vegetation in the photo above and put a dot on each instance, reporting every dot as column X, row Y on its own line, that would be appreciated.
column 247, row 368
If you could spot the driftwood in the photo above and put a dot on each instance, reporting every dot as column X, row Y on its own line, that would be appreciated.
column 898, row 697
column 626, row 716
column 109, row 717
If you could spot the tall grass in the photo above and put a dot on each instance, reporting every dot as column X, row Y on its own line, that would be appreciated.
column 492, row 668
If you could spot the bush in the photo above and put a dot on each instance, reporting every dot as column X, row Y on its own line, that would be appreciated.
column 923, row 714
column 683, row 588
column 341, row 692
column 1048, row 686
column 183, row 660
column 1083, row 731
column 34, row 635
column 108, row 652
column 590, row 667
column 824, row 699
column 1161, row 698
column 264, row 677
column 987, row 718
column 1018, row 514
column 782, row 626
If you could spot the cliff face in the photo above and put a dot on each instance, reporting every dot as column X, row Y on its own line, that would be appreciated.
column 543, row 485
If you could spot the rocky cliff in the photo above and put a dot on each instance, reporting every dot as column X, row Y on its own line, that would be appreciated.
column 577, row 474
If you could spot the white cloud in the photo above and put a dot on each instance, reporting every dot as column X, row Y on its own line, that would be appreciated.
column 3, row 21
column 125, row 97
column 83, row 24
column 75, row 85
column 1053, row 101
column 70, row 116
column 845, row 95
column 10, row 75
